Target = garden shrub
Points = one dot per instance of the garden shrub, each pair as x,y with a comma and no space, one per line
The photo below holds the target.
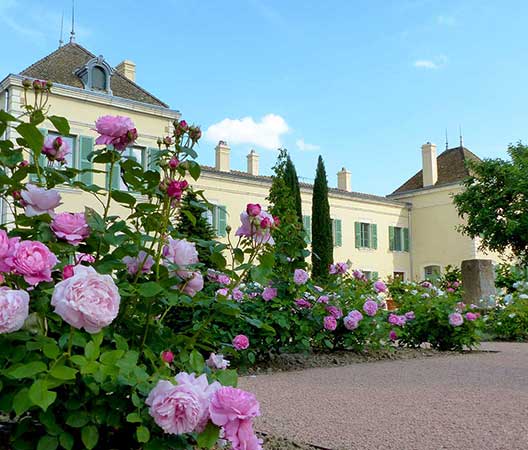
509,320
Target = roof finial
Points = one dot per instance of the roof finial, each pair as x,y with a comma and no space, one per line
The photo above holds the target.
447,143
61,30
72,33
460,133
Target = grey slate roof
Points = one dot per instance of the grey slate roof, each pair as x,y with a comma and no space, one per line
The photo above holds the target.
60,65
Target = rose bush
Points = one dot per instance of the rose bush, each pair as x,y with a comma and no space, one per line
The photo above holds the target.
105,320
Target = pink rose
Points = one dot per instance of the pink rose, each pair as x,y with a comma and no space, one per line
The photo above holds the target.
330,323
338,269
370,307
397,320
193,283
143,260
392,335
56,148
266,222
39,201
234,409
323,299
87,300
71,227
33,260
269,293
251,227
409,315
356,315
118,131
217,362
7,248
175,189
237,295
350,323
241,342
471,316
14,309
456,319
224,292
253,209
167,356
334,311
68,272
303,304
180,252
380,286
84,257
300,276
174,162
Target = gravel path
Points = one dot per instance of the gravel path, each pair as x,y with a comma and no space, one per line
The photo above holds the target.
471,402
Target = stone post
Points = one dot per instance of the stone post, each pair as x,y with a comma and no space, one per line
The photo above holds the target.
478,281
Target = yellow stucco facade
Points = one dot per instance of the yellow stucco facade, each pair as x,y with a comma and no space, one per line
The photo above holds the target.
424,221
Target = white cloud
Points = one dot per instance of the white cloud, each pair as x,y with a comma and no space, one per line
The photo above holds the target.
448,21
430,64
303,146
266,133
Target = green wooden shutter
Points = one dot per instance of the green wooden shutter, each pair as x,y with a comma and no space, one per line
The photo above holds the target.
307,226
338,233
375,276
86,144
373,236
405,239
221,216
391,239
116,176
357,228
41,160
153,159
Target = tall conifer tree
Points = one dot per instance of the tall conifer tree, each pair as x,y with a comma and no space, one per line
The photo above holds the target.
322,240
292,181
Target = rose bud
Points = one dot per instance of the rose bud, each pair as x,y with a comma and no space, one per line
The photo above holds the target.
174,162
253,209
167,356
67,272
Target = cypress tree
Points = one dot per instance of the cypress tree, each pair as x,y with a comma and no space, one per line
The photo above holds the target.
292,181
322,240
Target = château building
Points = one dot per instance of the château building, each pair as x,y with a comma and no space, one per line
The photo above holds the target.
411,233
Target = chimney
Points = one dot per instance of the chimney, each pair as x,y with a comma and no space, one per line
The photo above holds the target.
344,182
222,156
253,163
127,68
429,166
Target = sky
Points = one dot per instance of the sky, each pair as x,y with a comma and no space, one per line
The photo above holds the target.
364,83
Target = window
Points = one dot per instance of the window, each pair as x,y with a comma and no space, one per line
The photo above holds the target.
366,235
217,218
398,239
370,275
432,273
336,233
398,275
95,75
98,78
307,228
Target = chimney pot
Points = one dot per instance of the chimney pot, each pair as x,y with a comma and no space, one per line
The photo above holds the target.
222,156
344,181
253,163
127,68
429,164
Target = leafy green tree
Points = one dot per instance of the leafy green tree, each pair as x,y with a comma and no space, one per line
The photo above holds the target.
290,244
292,181
494,203
193,225
322,240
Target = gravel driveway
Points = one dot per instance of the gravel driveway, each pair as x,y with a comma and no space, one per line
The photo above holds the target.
472,401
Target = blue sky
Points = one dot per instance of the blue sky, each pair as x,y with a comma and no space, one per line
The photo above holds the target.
364,83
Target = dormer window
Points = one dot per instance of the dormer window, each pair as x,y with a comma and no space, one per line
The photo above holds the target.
95,75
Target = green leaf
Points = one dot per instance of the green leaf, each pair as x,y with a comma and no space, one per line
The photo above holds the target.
79,360
194,169
196,362
66,440
27,370
123,197
6,117
32,136
149,289
40,396
48,443
208,437
94,220
134,418
239,255
91,351
60,124
77,419
21,402
51,350
227,377
89,436
63,373
111,357
143,434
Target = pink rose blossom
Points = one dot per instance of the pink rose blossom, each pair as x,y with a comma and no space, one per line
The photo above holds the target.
217,362
330,323
167,356
37,201
7,248
456,319
253,209
193,283
350,323
358,275
71,227
118,131
234,409
335,311
456,284
143,260
237,294
174,162
251,227
450,290
370,307
84,257
87,299
14,309
300,276
56,148
33,260
427,284
180,252
399,321
409,315
323,299
269,293
356,315
241,342
175,189
224,292
392,335
67,272
380,286
303,304
338,268
471,316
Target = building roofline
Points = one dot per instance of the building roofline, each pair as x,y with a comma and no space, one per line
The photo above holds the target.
425,190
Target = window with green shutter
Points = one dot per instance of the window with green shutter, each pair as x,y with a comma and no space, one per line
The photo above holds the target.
366,235
373,236
398,239
220,223
374,276
391,238
337,232
86,144
307,227
153,158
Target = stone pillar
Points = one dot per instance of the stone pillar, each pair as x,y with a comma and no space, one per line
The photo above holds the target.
253,163
222,156
478,281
